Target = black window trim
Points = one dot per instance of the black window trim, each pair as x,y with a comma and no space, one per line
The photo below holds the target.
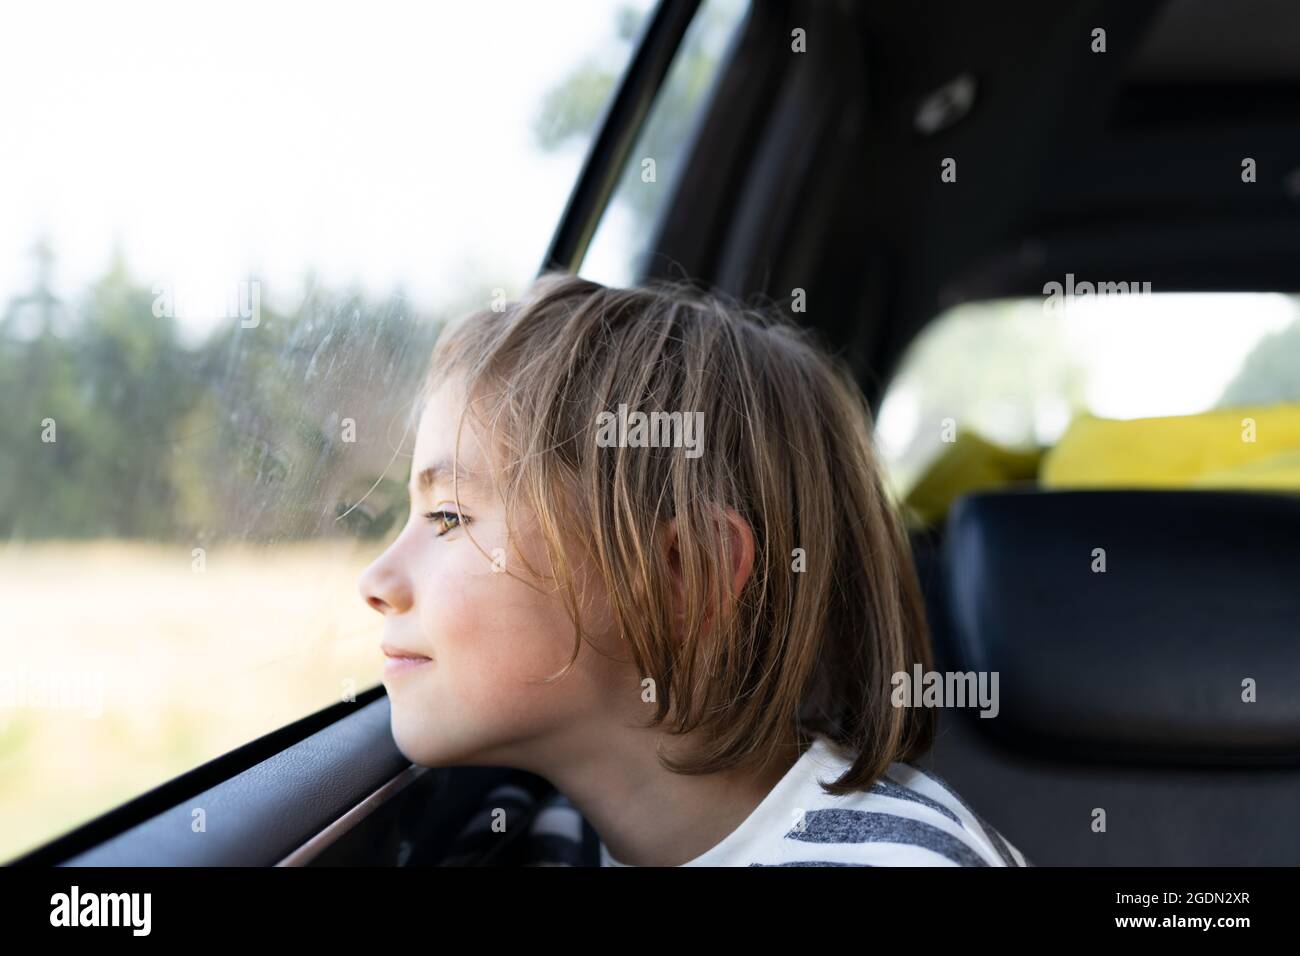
149,805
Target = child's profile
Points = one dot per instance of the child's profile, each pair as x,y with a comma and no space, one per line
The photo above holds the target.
650,557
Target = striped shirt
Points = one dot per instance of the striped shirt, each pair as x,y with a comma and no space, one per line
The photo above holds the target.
909,817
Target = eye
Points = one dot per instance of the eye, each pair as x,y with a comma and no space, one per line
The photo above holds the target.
445,521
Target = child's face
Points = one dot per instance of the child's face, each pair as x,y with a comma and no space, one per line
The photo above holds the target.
486,635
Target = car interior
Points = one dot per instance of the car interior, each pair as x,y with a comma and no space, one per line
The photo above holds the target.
822,172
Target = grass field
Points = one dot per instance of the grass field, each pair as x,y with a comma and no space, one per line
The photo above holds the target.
164,666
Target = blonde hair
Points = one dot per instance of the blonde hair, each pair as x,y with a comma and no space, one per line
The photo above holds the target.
786,445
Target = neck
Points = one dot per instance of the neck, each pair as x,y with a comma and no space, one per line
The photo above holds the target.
647,815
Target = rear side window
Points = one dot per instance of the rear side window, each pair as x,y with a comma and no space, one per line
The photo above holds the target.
226,252
1017,372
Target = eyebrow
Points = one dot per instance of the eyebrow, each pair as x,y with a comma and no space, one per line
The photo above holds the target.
441,472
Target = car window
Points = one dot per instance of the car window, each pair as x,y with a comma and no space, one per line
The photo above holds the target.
618,250
1018,371
226,253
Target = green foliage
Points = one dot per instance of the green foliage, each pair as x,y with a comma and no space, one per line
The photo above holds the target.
264,433
571,110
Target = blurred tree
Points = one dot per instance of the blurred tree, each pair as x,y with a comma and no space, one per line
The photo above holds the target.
293,428
571,110
111,381
1270,373
37,383
138,383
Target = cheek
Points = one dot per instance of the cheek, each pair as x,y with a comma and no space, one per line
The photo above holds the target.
494,639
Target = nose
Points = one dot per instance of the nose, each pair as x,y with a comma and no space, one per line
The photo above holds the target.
384,587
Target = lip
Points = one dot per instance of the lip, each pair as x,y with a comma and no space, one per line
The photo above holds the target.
398,659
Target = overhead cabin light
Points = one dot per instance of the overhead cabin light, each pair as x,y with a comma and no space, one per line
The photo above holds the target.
946,106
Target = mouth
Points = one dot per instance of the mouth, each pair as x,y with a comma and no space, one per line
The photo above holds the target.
398,660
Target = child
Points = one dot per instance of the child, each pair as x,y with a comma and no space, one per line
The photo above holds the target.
650,559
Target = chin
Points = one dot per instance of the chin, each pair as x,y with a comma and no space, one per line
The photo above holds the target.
415,743
426,747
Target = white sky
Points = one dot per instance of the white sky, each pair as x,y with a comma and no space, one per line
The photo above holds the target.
1168,354
382,141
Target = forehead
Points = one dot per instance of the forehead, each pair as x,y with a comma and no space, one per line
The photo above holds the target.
436,443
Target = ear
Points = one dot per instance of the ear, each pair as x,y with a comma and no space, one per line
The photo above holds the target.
742,558
742,552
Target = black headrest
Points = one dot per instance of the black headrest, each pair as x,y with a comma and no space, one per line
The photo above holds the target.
1151,659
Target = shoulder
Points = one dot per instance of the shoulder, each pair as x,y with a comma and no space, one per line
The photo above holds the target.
909,817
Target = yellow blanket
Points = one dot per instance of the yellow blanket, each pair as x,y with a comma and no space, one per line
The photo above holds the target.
1249,447
1256,446
970,463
